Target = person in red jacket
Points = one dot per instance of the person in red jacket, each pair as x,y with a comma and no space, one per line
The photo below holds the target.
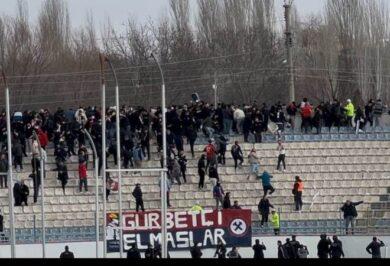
306,112
83,176
43,138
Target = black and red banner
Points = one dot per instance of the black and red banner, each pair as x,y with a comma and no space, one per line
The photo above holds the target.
232,227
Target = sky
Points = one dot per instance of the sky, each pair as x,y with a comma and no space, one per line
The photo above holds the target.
118,11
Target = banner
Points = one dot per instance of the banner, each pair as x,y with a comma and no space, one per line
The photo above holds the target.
232,227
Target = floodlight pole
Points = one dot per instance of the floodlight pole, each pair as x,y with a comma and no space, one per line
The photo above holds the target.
163,185
41,173
10,179
118,155
96,174
103,114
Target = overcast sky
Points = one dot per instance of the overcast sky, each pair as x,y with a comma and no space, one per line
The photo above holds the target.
118,11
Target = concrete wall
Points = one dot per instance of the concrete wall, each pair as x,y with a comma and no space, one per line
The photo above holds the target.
354,247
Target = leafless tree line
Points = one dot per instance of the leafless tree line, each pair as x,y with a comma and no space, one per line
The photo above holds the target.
342,53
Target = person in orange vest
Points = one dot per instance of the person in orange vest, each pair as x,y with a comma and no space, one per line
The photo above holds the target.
297,192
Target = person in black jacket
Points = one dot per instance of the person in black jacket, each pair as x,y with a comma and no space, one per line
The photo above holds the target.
17,194
24,192
201,170
226,201
323,247
350,214
237,154
196,253
137,194
264,207
289,249
221,250
258,250
336,249
295,245
67,254
149,252
62,174
3,169
374,248
282,254
183,165
133,252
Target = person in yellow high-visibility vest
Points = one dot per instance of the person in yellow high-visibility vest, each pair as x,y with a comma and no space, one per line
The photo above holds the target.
349,112
275,222
196,207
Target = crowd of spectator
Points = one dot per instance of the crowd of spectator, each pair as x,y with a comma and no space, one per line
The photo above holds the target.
138,126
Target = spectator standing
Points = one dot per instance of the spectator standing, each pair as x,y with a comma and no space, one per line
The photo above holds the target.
323,247
133,252
266,181
196,253
291,112
275,222
295,246
201,171
67,254
237,155
239,117
374,248
183,165
303,252
226,201
236,206
218,194
233,254
137,156
369,112
221,142
137,194
62,170
350,214
221,250
289,249
83,178
211,153
264,208
297,192
17,153
282,254
3,170
17,193
254,163
306,113
258,250
282,156
25,191
336,249
378,111
349,112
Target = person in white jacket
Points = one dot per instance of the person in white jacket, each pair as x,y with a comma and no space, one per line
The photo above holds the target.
239,116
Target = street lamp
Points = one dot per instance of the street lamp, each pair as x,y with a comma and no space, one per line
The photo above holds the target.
215,88
10,179
163,185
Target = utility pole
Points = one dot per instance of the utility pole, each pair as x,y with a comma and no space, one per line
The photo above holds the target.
215,88
289,45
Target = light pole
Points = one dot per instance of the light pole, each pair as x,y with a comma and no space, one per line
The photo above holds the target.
289,45
163,185
118,154
41,173
103,114
96,174
10,179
